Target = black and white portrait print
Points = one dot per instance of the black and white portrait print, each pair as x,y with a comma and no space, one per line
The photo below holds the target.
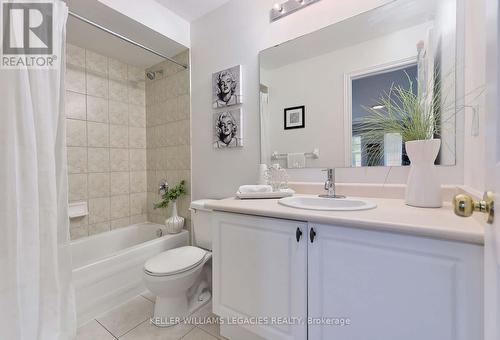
226,87
228,132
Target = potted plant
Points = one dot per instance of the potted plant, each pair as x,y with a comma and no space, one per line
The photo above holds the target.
417,118
174,223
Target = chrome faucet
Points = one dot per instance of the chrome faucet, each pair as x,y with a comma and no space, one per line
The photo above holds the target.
330,185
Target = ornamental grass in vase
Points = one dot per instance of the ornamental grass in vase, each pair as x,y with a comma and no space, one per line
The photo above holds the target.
417,118
174,223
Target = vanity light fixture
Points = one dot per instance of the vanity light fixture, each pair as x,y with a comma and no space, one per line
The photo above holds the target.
281,10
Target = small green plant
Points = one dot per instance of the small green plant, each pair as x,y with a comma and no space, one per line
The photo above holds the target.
171,195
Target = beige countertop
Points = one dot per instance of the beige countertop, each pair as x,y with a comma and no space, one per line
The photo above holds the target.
391,215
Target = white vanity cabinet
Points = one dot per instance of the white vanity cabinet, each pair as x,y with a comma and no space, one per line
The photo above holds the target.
260,270
387,286
393,286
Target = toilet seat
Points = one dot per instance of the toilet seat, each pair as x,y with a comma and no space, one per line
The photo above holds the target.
174,261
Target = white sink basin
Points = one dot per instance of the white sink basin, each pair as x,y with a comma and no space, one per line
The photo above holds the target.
326,204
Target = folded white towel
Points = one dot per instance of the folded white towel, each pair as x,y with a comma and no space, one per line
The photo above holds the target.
255,188
296,160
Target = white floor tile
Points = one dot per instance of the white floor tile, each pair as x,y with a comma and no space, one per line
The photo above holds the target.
150,296
125,317
198,334
203,315
147,331
93,331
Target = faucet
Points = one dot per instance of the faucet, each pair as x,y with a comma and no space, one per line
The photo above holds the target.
330,185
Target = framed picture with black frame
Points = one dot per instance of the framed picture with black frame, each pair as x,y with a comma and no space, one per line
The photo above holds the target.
295,117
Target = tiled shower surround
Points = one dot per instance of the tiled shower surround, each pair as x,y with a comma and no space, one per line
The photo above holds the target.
109,155
106,139
168,134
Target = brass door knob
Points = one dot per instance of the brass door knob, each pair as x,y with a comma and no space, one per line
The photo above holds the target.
464,205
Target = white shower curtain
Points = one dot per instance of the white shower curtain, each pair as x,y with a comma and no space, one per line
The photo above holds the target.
36,298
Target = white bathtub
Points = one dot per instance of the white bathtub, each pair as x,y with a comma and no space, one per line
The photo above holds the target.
107,268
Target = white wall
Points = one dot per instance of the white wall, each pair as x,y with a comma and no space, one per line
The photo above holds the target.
475,79
318,83
234,34
155,16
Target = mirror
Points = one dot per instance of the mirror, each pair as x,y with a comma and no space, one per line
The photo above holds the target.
317,90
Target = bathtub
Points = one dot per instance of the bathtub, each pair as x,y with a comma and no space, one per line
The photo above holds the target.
107,268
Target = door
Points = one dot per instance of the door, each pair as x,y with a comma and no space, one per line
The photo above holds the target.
492,175
367,284
259,270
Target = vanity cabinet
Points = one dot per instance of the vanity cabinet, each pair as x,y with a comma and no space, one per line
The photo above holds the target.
393,286
344,283
260,270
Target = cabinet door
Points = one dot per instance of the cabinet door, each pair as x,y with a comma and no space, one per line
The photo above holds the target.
393,287
259,270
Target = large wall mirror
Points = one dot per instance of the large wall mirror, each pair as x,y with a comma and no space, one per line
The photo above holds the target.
316,89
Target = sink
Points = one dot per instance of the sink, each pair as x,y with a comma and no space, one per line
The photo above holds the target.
326,204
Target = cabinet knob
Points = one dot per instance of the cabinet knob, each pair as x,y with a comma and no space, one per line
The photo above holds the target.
312,235
298,234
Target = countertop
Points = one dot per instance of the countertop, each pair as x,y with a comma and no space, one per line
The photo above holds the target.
391,215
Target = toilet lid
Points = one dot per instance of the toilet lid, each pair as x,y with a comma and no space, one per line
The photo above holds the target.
174,261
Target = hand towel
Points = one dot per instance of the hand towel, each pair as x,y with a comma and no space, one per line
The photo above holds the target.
255,188
296,160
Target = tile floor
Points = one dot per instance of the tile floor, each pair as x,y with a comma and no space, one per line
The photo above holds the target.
130,321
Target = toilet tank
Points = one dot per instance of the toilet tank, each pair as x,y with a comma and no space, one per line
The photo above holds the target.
201,224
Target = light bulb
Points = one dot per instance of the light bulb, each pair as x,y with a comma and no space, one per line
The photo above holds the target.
278,7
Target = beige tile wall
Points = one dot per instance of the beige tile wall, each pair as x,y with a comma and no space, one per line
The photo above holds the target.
168,135
106,139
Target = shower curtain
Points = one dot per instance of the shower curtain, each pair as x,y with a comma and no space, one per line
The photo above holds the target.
36,298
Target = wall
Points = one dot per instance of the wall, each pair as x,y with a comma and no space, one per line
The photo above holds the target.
318,83
155,16
106,139
168,135
234,34
475,79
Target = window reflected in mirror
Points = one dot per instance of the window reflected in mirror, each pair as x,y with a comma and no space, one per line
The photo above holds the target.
366,93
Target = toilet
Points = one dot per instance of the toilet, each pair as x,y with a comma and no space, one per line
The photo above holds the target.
180,278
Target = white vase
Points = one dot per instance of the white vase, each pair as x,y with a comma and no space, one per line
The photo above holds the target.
423,188
174,223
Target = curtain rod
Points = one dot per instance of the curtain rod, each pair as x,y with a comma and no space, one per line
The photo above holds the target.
119,36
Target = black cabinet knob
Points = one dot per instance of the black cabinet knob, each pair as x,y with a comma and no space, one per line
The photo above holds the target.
298,234
312,235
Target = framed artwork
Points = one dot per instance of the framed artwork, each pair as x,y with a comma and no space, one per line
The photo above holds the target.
226,87
295,117
228,129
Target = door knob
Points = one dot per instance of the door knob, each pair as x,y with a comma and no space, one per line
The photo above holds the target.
464,205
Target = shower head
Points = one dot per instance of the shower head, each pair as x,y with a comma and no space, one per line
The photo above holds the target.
152,74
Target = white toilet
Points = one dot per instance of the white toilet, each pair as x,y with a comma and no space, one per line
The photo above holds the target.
181,277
